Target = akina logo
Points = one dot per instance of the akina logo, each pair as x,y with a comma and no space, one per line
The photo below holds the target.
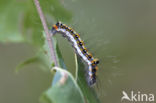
137,96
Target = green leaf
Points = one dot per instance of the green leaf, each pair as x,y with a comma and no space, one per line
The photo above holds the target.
32,23
42,57
88,92
69,91
65,90
53,8
10,21
58,53
59,60
27,62
22,23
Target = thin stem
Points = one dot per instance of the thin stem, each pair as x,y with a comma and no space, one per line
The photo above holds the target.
48,38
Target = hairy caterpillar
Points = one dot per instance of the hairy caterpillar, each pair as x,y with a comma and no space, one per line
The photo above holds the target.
80,49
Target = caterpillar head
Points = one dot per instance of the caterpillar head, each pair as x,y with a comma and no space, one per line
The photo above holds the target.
56,27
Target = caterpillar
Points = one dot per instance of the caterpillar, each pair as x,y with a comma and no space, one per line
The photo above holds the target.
80,49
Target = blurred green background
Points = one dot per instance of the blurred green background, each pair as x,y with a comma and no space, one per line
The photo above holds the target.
121,33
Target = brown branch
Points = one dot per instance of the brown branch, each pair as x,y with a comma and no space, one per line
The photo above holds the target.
48,38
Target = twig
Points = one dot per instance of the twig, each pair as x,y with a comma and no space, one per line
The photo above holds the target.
48,38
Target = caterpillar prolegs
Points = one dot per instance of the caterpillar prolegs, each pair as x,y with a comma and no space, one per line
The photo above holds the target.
80,49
